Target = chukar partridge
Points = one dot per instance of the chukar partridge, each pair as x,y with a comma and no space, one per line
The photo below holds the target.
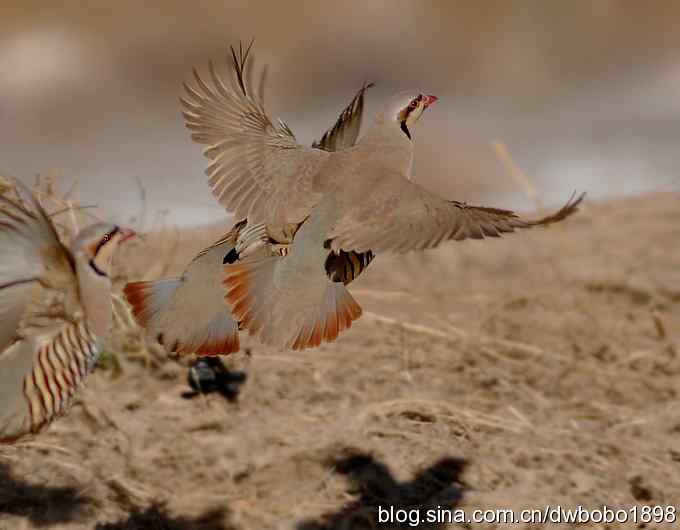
188,314
334,204
55,307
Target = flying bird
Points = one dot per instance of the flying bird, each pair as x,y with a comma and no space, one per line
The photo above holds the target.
188,314
328,211
55,308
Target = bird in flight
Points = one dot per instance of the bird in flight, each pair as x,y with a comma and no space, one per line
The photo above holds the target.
55,309
321,214
188,314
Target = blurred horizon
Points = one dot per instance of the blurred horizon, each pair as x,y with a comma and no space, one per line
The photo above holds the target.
583,95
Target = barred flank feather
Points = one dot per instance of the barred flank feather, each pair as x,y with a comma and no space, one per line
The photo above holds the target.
58,372
347,266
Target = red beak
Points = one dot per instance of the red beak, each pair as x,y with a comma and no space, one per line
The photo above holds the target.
126,234
428,100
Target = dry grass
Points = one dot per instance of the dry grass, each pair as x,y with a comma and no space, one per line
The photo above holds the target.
548,362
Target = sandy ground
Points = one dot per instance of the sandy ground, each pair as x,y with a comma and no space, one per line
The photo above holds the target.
540,369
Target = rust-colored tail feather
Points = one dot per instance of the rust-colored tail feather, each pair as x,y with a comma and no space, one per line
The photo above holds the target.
255,303
154,309
137,295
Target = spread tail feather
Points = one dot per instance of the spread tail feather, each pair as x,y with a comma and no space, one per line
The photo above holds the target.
148,298
168,318
337,313
286,318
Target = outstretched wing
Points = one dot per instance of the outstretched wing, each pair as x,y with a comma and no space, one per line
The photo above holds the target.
28,241
257,169
400,216
345,131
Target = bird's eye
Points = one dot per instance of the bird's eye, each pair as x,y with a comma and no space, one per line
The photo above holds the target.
106,238
413,104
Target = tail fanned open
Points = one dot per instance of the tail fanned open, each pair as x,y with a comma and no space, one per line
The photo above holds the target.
180,319
294,317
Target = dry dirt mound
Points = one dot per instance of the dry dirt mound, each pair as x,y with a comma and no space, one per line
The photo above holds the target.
540,369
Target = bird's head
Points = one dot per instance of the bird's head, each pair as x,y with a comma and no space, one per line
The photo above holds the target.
97,244
405,109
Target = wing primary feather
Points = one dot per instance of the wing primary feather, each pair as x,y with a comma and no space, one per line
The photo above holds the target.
240,63
345,130
217,81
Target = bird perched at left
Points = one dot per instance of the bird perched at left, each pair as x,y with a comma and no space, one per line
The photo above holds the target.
55,309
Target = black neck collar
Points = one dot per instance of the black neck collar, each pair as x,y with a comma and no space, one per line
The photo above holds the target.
97,269
405,129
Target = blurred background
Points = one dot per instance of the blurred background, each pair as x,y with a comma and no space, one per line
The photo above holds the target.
585,95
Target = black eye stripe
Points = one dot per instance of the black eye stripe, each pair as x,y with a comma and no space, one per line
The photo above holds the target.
407,112
412,106
105,240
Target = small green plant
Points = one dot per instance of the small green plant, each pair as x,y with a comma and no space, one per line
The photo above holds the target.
109,362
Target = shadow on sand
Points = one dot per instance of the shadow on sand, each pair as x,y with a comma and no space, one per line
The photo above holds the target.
42,505
156,517
438,485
